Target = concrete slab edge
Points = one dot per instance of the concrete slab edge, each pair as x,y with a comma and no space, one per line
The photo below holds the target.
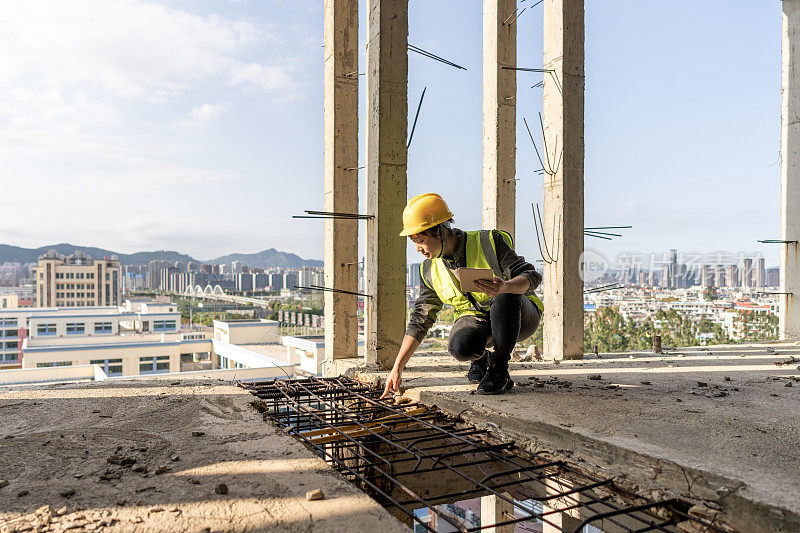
712,496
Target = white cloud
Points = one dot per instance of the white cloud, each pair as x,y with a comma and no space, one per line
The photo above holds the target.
262,76
73,72
126,49
101,105
207,112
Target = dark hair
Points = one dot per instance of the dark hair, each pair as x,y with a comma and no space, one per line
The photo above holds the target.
434,231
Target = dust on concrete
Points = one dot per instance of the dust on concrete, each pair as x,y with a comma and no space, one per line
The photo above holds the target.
161,456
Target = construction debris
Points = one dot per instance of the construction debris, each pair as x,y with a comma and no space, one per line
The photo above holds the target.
315,494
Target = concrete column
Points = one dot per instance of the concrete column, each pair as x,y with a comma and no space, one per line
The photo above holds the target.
494,510
341,177
789,323
499,114
386,187
558,522
563,187
569,520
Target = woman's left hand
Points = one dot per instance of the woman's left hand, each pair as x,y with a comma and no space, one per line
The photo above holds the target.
492,287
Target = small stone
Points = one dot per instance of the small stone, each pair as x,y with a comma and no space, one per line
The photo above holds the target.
646,382
774,395
78,476
174,458
678,400
122,503
22,493
161,470
222,488
137,520
67,493
175,383
198,433
194,481
139,468
3,483
727,378
61,511
315,494
720,394
156,510
594,377
788,384
702,384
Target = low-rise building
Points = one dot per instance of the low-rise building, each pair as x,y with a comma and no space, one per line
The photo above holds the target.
141,337
122,339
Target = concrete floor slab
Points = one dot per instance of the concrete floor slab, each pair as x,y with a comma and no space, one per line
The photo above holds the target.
718,426
127,456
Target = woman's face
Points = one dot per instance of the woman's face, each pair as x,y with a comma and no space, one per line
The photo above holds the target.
427,245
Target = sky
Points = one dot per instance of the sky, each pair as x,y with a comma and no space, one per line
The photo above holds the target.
196,126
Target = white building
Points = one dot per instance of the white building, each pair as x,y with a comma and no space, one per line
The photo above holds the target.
139,338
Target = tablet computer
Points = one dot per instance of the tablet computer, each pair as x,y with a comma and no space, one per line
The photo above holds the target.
467,276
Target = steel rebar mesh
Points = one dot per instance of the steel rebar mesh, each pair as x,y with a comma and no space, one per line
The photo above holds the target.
391,450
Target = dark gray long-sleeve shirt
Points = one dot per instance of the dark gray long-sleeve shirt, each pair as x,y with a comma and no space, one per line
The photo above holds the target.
428,305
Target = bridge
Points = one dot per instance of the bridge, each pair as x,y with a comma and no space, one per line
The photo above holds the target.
216,292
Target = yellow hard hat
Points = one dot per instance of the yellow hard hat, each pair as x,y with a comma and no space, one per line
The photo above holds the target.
424,211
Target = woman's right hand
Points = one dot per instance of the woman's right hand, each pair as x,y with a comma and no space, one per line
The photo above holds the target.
392,382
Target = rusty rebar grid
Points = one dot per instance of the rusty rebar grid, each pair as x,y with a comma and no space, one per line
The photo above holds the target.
380,444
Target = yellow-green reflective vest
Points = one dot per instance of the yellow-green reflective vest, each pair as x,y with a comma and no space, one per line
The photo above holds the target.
480,253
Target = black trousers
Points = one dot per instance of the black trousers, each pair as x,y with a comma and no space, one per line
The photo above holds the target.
511,319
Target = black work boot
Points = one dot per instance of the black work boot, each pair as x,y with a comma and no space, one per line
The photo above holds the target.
478,368
497,379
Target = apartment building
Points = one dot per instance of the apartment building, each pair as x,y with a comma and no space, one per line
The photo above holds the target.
76,281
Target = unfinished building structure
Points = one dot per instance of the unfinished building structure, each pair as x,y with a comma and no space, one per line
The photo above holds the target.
696,440
386,158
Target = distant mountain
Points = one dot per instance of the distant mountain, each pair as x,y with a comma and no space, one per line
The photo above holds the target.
268,258
17,254
265,259
142,258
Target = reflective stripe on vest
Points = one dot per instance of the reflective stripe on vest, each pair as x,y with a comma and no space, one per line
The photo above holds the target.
480,253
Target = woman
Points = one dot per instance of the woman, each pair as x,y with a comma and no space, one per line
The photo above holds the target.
504,313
